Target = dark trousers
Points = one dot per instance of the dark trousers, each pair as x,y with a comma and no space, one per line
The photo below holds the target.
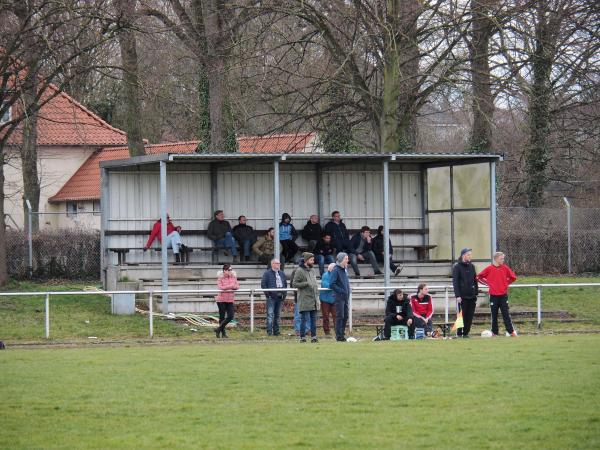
265,259
341,317
379,258
369,257
226,313
288,250
467,306
327,309
500,302
392,320
427,325
308,316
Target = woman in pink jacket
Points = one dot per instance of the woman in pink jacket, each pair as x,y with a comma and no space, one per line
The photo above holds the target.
227,283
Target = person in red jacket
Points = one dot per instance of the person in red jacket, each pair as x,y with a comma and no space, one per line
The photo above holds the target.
173,238
498,276
422,307
227,282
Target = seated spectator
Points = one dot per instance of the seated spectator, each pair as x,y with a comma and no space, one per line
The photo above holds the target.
398,312
264,247
173,239
324,252
312,232
378,249
338,232
327,300
219,231
422,307
361,247
287,238
245,236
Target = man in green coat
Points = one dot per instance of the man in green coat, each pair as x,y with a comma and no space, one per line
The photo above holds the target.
308,295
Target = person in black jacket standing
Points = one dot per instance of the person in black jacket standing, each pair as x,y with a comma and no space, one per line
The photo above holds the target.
464,280
398,312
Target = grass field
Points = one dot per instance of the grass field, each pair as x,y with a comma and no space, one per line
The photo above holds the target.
531,392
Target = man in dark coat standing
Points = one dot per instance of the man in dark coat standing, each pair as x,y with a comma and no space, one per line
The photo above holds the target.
464,279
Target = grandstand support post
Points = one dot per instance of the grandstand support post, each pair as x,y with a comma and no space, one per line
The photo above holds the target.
29,241
569,242
386,226
276,248
151,314
163,237
252,311
47,315
446,304
350,311
539,306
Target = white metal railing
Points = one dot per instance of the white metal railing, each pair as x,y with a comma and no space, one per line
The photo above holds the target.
253,291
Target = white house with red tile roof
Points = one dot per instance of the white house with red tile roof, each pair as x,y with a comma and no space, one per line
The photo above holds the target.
82,191
72,141
68,134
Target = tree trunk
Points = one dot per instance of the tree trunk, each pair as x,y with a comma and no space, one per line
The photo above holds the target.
29,159
129,62
482,103
3,256
222,133
400,77
537,152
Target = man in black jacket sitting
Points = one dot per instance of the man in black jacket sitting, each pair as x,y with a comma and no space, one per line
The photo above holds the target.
312,232
245,236
464,280
398,312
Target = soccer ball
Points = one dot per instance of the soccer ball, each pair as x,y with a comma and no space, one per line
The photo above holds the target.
351,339
486,334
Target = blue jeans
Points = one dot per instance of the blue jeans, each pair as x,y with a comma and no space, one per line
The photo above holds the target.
297,320
273,315
228,243
322,260
247,246
305,317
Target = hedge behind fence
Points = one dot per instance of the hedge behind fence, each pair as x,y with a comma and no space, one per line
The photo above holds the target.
68,253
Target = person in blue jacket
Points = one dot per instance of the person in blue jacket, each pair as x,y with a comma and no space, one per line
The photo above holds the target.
287,238
327,300
340,285
274,278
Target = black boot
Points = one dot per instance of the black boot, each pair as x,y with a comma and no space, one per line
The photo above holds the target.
217,331
177,258
224,334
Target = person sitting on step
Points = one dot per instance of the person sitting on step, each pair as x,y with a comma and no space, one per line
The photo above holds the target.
398,312
219,231
173,240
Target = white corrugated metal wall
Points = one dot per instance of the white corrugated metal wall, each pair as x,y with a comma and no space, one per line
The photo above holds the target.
354,190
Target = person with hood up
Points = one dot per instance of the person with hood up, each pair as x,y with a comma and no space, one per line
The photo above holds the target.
287,238
307,295
464,280
227,282
398,312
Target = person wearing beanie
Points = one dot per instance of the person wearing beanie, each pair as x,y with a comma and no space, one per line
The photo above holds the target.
307,295
340,285
464,280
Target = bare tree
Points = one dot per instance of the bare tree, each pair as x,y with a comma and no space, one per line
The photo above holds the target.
126,12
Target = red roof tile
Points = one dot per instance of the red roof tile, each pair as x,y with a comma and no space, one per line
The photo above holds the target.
64,121
85,183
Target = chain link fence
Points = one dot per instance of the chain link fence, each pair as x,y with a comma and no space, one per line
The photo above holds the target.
66,253
536,240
